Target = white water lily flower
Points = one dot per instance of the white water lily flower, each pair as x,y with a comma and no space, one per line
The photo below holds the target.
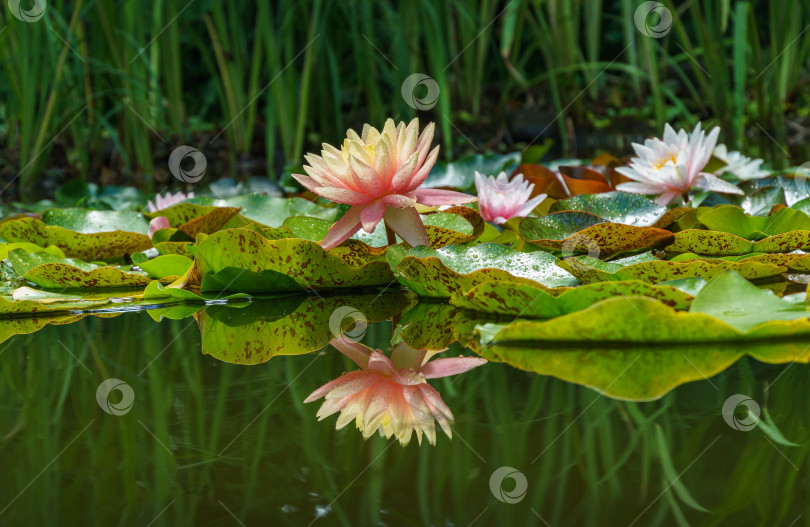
743,167
672,166
501,199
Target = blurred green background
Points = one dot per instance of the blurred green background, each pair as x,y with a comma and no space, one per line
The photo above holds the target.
104,91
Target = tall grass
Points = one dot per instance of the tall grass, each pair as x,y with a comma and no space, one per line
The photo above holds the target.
92,84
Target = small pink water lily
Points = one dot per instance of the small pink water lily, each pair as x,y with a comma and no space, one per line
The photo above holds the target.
160,222
671,166
379,174
391,395
165,201
501,199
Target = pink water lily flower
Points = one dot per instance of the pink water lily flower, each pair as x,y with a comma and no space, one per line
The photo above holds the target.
160,222
391,395
379,174
500,199
671,166
165,201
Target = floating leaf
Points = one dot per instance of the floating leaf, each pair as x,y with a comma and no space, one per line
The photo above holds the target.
268,210
733,220
166,265
5,248
460,173
287,325
530,301
242,260
622,207
584,232
714,243
88,221
49,271
652,270
93,246
441,272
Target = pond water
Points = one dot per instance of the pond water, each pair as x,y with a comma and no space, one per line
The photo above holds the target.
197,432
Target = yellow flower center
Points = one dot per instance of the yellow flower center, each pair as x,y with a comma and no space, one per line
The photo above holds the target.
663,161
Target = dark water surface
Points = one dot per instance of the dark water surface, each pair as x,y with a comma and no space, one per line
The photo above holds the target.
210,442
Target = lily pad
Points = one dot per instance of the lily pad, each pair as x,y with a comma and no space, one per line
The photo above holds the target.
88,221
574,232
192,219
242,260
166,265
290,325
530,301
87,246
441,272
53,272
639,373
733,220
268,210
622,207
652,270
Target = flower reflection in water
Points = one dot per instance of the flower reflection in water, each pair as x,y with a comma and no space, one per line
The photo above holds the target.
391,394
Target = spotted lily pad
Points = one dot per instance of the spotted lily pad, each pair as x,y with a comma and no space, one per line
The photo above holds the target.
714,243
530,301
650,269
441,272
5,248
53,272
87,246
639,372
191,219
268,210
88,221
578,232
727,309
242,260
290,325
622,207
733,220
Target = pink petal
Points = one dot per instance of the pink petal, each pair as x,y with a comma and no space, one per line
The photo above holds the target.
408,224
161,222
451,366
372,214
354,350
433,197
343,195
307,181
342,229
398,200
423,171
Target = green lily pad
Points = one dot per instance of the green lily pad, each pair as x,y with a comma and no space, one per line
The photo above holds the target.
166,265
268,210
290,325
242,260
639,373
53,272
622,207
441,272
653,270
191,219
5,248
87,246
574,232
733,220
714,243
187,249
530,301
88,221
460,174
